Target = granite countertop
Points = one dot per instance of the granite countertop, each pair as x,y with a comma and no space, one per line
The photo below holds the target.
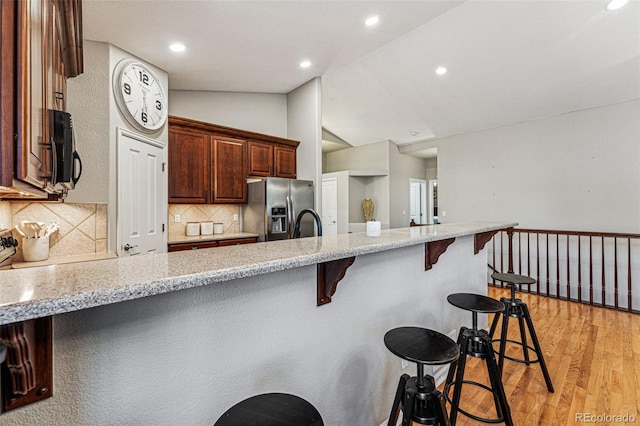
48,290
177,239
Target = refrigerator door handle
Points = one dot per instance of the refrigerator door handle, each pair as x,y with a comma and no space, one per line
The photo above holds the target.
289,225
293,217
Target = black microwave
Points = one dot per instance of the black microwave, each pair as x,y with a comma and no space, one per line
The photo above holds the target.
66,164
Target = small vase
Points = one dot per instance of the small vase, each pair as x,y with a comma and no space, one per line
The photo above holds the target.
367,208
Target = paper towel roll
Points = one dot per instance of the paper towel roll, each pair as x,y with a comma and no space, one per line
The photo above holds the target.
373,228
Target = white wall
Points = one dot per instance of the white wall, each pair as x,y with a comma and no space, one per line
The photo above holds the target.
304,123
184,358
96,126
257,112
578,171
374,156
402,168
91,123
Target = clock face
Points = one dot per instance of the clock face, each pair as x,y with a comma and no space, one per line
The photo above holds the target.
140,96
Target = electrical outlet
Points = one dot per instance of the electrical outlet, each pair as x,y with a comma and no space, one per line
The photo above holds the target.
444,213
235,217
176,218
403,364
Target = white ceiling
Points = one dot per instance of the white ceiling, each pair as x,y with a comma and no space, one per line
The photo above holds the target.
508,61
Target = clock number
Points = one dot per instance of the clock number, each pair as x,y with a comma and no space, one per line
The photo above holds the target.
127,88
143,117
159,105
144,78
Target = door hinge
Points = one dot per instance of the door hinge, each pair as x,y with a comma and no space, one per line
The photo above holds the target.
163,227
163,164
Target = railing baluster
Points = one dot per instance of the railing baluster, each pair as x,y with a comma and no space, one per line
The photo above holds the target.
579,270
604,294
590,271
557,266
615,272
538,260
568,271
547,263
629,273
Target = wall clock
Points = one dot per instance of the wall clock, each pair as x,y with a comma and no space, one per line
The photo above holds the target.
140,96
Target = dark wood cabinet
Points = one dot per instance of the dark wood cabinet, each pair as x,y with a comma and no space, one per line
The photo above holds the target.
271,160
210,163
209,244
205,168
229,169
260,156
285,161
189,167
47,38
238,241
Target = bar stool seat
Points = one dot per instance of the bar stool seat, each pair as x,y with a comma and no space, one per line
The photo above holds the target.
417,397
271,409
477,343
516,308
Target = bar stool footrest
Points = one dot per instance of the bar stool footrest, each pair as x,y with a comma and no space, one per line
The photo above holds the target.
521,361
445,393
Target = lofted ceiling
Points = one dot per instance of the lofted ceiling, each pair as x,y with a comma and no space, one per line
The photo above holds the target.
507,61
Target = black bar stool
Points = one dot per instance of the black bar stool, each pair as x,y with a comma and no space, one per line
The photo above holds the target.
476,343
271,409
418,397
516,308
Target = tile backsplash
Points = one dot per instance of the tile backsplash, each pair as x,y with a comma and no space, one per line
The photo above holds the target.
82,227
218,213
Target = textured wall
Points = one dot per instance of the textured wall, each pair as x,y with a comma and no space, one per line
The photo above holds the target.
258,112
184,358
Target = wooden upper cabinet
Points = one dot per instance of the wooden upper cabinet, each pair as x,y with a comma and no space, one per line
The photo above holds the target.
260,158
271,160
229,170
189,167
285,161
209,163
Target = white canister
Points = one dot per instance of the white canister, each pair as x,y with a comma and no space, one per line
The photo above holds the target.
193,229
373,228
206,228
34,249
217,228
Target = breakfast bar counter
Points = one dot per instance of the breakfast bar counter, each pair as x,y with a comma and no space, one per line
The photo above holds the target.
55,289
178,338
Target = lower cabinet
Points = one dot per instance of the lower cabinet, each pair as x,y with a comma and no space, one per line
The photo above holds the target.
209,244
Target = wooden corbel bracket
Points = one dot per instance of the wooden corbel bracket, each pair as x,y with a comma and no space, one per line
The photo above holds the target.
433,250
479,240
29,362
329,275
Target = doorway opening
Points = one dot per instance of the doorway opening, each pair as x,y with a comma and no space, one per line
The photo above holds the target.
418,201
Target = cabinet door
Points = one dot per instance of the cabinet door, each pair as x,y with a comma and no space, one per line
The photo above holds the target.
285,161
189,177
260,159
229,169
34,19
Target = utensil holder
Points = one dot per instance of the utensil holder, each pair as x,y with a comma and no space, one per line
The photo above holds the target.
35,249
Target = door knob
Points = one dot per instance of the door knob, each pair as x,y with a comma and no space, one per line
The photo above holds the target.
128,247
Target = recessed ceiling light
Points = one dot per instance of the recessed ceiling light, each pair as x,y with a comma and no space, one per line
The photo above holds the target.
615,4
177,47
441,70
372,20
305,64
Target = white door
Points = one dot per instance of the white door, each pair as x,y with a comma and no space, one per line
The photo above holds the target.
142,195
329,206
414,203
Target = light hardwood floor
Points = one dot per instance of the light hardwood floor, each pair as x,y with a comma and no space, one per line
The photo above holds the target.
593,356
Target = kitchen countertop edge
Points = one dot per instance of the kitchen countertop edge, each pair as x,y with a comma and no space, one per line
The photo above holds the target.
123,279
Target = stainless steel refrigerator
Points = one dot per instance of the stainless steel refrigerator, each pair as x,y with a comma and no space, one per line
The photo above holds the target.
273,205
